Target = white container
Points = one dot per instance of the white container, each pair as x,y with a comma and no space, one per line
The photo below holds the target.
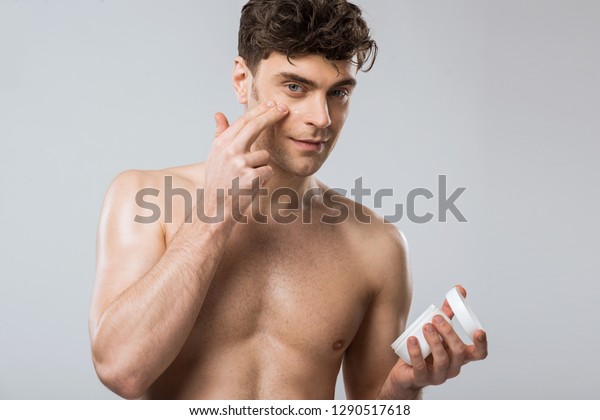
462,313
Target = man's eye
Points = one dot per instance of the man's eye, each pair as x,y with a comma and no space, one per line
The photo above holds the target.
294,88
339,93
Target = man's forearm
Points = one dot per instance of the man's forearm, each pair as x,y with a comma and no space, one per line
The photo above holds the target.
141,332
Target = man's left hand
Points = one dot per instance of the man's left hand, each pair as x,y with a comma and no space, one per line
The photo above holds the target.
445,361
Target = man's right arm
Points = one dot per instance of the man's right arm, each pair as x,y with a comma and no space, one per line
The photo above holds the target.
147,296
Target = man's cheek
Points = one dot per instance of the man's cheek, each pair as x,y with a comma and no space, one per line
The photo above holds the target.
276,132
252,103
285,126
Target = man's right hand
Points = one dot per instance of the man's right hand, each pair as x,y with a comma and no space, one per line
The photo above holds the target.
231,158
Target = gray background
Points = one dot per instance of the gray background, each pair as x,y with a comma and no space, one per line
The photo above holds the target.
501,96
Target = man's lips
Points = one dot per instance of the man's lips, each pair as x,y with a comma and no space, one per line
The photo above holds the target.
309,144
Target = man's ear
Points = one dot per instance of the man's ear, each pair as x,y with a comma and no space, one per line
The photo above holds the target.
242,80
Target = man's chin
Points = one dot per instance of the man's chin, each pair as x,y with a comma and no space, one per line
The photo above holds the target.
301,169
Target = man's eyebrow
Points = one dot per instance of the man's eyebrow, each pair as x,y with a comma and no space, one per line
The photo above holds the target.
349,81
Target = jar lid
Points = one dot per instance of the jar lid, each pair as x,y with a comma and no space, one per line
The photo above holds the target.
465,315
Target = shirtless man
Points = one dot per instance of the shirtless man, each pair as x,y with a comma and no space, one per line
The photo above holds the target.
264,309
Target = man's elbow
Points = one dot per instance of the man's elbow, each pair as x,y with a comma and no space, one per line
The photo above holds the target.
120,380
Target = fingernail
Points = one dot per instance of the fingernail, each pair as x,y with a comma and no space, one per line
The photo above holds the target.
270,104
413,341
481,338
282,107
429,328
438,319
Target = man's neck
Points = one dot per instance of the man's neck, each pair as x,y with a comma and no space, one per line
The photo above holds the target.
285,193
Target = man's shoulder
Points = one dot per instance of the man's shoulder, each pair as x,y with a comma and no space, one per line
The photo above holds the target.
134,192
186,176
380,240
130,182
384,251
381,245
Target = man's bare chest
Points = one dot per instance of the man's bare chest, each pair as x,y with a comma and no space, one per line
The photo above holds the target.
302,290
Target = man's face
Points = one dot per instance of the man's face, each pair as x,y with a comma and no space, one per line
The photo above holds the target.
317,95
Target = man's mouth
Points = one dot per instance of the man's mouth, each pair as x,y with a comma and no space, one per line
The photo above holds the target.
314,145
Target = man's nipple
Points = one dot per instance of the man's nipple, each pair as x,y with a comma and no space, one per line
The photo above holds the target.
337,345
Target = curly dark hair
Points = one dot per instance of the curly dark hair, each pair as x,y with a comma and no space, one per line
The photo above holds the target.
333,29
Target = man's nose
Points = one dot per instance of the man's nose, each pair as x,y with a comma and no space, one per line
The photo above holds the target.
318,112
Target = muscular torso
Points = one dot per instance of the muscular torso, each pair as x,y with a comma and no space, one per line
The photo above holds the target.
285,303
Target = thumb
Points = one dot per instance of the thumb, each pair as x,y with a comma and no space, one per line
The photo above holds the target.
222,123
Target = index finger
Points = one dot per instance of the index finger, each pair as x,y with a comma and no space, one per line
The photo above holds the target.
234,129
250,132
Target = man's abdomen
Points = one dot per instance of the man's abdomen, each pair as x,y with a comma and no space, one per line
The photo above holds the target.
261,367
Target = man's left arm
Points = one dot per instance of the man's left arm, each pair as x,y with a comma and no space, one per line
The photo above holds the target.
371,368
369,358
